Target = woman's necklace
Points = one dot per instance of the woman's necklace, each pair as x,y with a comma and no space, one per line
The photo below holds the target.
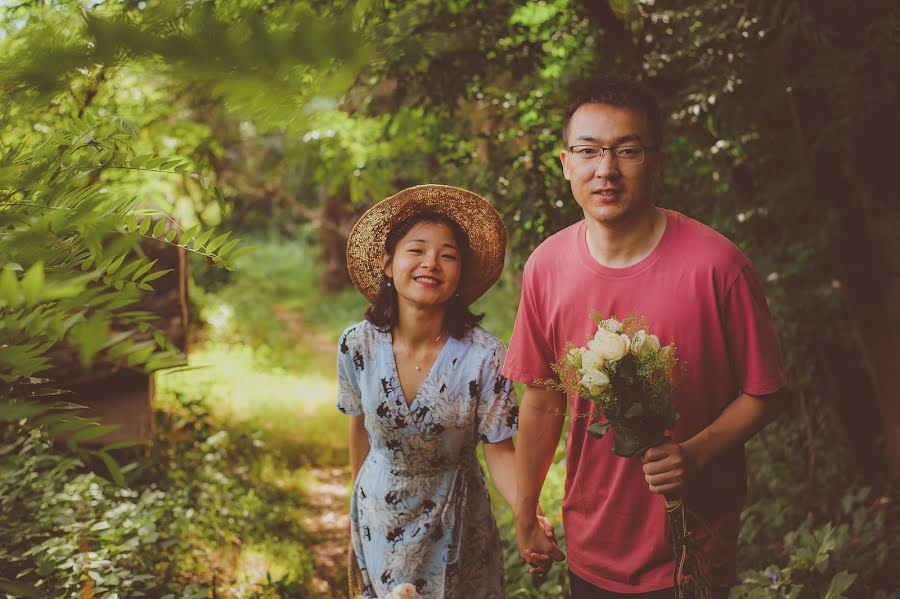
433,343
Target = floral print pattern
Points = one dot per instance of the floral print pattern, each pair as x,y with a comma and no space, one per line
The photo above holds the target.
420,511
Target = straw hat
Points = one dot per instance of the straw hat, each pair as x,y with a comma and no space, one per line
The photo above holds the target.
480,221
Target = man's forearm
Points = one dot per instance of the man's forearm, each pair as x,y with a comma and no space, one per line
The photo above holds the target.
742,419
541,417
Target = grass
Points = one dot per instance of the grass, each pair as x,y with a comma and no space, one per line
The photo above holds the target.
293,411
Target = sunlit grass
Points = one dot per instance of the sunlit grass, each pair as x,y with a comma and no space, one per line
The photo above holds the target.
294,411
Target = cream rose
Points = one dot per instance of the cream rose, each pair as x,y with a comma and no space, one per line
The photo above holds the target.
596,381
612,325
642,344
590,360
404,591
609,346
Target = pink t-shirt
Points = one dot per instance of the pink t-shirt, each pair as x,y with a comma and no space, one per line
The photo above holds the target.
697,290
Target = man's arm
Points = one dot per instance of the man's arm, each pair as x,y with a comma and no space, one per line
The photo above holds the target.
541,417
668,466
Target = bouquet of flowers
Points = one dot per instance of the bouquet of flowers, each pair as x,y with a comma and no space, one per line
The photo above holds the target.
627,377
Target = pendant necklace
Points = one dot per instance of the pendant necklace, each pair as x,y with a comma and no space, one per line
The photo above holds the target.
436,339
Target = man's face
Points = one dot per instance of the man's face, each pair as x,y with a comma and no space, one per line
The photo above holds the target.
610,189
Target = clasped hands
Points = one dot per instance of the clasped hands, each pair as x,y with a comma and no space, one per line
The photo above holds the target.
665,467
537,545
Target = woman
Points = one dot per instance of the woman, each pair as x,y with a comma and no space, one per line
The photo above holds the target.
422,384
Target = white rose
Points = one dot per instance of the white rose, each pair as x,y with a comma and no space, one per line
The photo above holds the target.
609,345
404,591
611,325
595,381
590,360
642,344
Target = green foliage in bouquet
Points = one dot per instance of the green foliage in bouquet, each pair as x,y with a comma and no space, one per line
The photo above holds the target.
627,376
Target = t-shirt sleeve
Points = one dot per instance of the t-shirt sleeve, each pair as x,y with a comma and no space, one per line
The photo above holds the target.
349,400
497,411
753,347
530,349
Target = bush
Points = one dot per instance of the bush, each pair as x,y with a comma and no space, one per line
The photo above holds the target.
178,531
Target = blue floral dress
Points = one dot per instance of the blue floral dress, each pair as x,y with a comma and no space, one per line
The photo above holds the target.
420,510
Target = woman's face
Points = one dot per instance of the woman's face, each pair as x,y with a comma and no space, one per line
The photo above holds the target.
426,265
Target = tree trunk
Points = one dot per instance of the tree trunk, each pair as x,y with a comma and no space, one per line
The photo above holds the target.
873,298
333,244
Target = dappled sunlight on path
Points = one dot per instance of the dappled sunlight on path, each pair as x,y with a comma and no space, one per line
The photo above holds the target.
329,526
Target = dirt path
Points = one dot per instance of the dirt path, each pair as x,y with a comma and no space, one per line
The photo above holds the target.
329,525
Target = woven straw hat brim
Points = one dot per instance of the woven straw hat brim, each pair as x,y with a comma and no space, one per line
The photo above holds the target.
481,222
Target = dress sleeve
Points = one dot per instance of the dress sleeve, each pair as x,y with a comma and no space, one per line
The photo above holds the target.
497,412
349,400
753,346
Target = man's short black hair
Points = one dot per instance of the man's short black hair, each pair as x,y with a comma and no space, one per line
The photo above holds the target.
616,91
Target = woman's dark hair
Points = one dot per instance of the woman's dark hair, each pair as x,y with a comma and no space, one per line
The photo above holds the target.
384,311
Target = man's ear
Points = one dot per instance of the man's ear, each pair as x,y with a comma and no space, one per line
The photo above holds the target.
563,159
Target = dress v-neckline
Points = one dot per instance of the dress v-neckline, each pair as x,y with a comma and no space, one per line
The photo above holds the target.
437,360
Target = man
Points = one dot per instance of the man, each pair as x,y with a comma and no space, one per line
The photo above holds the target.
694,288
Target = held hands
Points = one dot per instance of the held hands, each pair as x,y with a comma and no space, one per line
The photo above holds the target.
537,546
667,467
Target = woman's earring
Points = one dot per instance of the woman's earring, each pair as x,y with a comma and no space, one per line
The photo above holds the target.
389,284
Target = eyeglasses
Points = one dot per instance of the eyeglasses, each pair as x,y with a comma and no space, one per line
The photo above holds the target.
630,155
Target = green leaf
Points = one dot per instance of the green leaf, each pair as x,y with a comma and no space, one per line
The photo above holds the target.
634,411
626,445
188,234
9,288
72,423
131,223
33,283
125,444
10,412
140,272
139,161
154,163
114,471
139,357
228,247
839,584
220,199
170,236
116,264
241,251
183,168
132,266
144,226
91,432
159,227
203,238
155,275
215,243
126,126
598,429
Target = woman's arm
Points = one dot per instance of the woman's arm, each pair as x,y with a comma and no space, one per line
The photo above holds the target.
501,463
359,444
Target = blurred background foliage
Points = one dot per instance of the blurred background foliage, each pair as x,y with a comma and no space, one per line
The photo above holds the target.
280,122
